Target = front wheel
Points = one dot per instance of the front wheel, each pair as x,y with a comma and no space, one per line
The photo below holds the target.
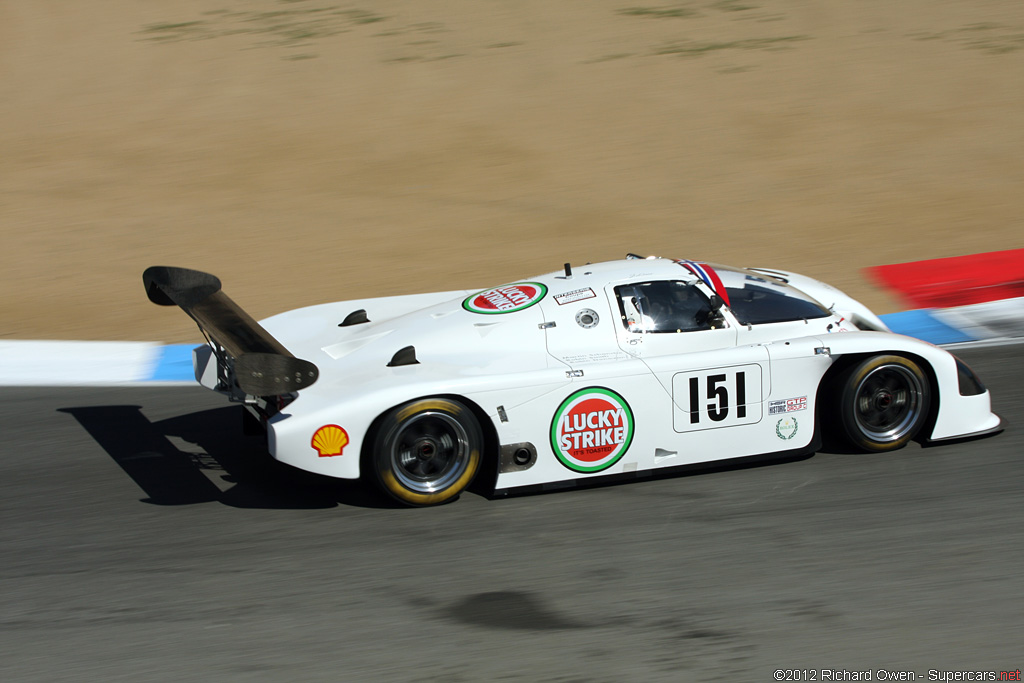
426,452
883,402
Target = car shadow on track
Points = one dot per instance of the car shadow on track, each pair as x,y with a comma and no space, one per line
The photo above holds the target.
203,457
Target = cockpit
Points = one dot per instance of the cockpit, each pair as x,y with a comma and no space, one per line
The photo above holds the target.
664,306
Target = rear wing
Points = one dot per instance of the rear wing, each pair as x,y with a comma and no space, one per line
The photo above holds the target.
247,355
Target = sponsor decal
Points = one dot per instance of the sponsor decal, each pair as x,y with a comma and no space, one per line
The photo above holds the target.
708,275
786,428
837,327
592,430
329,440
572,359
574,295
506,299
787,405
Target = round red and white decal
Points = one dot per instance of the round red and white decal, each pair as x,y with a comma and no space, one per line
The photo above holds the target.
592,429
506,299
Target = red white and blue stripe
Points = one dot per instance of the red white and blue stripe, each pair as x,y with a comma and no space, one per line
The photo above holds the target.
708,275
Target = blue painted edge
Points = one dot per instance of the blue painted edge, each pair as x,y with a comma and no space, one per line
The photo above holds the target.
174,364
920,323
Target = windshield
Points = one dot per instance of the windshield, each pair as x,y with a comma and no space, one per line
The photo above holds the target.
759,301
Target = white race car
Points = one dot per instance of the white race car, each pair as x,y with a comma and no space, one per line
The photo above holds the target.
610,369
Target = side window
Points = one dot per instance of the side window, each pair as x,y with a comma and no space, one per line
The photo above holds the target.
663,306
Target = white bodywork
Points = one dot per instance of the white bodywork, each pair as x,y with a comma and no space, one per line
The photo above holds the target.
520,367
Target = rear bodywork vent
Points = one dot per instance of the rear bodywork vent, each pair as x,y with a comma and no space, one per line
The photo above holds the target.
357,317
404,356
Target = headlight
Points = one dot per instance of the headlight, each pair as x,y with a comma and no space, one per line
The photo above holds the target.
969,383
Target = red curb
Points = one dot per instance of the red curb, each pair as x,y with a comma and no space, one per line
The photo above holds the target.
956,281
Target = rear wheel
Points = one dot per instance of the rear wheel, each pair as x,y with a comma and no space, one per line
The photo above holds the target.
427,452
883,402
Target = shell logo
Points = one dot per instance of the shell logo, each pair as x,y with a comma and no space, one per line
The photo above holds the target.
506,299
592,430
329,440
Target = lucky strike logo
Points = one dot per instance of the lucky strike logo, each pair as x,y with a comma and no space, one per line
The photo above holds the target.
506,299
591,430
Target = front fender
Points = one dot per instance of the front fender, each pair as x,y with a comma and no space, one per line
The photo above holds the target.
956,415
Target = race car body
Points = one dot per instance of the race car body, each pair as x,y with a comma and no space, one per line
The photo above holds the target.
618,368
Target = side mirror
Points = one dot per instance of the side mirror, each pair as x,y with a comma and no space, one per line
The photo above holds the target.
716,303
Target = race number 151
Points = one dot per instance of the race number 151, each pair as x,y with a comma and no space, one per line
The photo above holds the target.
717,398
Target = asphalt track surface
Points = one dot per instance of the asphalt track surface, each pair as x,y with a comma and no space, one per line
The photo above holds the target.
144,539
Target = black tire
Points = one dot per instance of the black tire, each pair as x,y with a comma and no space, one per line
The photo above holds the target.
427,452
883,402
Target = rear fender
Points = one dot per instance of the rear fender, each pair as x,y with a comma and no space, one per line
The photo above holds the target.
487,476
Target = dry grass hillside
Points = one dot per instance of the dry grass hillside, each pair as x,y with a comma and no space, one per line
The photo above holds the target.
315,150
